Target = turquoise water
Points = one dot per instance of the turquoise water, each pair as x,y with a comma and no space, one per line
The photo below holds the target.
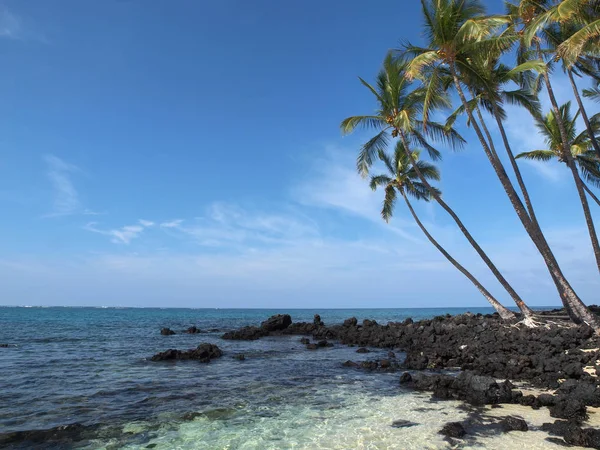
90,366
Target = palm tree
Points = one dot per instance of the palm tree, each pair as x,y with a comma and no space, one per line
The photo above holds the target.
402,178
531,30
399,114
455,30
558,26
581,146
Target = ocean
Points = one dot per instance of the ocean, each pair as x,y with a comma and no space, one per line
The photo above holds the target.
91,366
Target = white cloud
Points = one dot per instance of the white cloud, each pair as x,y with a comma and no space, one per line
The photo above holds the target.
123,235
66,197
172,223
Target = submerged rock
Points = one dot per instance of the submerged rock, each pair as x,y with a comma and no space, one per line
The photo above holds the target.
167,332
203,353
240,357
305,341
363,350
57,437
401,423
193,330
4,345
453,429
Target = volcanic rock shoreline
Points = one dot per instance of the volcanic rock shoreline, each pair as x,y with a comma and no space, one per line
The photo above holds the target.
556,355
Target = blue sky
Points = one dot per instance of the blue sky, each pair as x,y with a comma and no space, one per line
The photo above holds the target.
188,154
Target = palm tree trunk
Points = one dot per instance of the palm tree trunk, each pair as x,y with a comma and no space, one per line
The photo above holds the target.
590,193
515,166
584,115
573,304
571,164
505,284
504,312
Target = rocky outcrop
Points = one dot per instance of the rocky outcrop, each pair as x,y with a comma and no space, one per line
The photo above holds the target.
203,353
193,330
474,389
273,325
245,334
276,323
167,332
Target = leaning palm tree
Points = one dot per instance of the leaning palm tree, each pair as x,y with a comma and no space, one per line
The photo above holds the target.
399,114
456,29
557,27
581,146
402,178
532,37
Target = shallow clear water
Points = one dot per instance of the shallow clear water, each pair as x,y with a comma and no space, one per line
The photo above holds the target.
90,365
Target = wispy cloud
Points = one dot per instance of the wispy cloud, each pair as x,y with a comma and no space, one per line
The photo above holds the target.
66,198
334,184
232,226
172,223
123,235
16,28
10,25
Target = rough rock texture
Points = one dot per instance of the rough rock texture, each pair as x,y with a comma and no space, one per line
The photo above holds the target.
276,323
474,389
513,424
573,434
167,332
193,330
273,325
453,429
203,353
245,334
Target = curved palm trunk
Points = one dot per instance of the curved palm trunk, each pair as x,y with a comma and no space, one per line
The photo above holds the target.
590,193
515,166
517,299
571,164
584,115
504,312
573,304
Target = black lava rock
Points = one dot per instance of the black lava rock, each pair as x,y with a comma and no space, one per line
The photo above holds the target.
203,353
453,430
277,322
513,424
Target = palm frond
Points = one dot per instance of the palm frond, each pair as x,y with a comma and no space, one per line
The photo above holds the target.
387,161
389,202
537,155
593,93
419,62
527,100
379,180
368,151
350,124
571,49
